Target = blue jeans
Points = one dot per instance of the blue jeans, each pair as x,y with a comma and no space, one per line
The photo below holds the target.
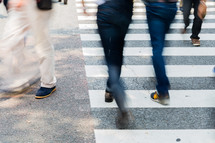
113,19
159,18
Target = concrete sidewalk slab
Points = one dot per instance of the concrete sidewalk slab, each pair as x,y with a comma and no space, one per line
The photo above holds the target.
65,115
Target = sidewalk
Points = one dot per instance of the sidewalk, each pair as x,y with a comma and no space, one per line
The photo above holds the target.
64,116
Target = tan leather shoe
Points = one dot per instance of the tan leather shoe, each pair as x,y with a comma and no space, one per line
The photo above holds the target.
195,42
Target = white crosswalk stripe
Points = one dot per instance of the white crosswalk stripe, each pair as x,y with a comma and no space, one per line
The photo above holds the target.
134,10
145,26
147,51
140,99
147,71
190,117
139,17
95,37
155,136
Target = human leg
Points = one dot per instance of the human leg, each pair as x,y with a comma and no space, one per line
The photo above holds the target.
197,22
187,5
19,66
112,36
159,20
44,49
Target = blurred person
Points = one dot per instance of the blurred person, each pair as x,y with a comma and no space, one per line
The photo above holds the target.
181,5
5,2
113,19
65,1
197,22
19,67
160,14
84,7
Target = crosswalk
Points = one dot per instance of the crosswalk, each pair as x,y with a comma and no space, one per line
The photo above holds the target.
190,117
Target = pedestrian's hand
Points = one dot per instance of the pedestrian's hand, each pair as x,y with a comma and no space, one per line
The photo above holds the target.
18,4
202,9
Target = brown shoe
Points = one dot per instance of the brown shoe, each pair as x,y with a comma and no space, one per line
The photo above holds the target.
108,96
183,31
195,42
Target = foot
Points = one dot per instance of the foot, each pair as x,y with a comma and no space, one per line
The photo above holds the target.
108,96
44,92
124,120
195,42
119,96
162,99
183,31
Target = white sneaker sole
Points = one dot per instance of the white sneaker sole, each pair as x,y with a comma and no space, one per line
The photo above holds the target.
163,101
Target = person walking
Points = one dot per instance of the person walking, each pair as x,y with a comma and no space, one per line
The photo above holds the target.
24,15
5,2
65,1
197,22
160,14
181,5
113,19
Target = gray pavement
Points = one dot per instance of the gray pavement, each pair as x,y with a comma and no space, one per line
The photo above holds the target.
64,116
149,116
68,116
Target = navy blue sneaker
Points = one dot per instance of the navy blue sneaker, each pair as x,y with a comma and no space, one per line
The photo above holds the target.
44,92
